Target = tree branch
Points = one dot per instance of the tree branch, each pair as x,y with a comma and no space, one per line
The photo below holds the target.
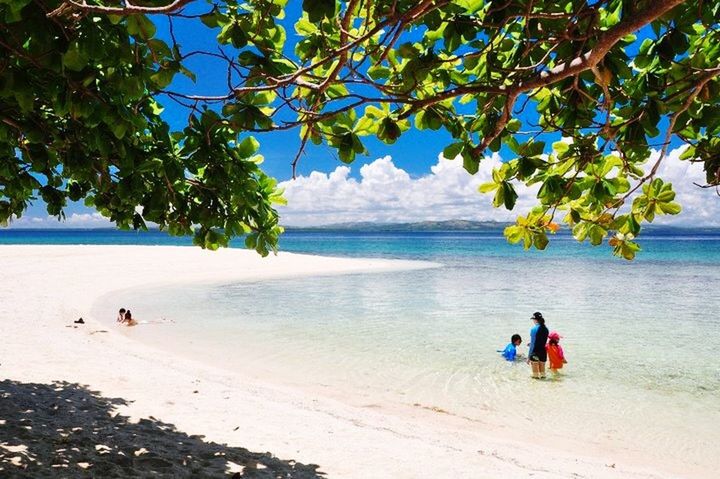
582,63
128,9
602,47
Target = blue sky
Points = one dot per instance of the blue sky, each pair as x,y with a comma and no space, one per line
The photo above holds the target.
415,151
279,148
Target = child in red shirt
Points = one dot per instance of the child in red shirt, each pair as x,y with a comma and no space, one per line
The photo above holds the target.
556,356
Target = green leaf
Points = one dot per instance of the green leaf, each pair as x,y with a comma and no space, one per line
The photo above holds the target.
432,119
378,72
580,231
688,153
471,164
74,59
317,10
453,150
140,25
505,195
514,234
210,20
532,148
156,107
670,208
388,131
509,195
248,147
596,234
633,227
162,78
365,126
347,155
357,144
540,240
374,112
305,28
119,129
624,247
560,147
513,125
471,6
234,34
488,187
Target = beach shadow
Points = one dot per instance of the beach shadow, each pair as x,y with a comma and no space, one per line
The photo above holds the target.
64,430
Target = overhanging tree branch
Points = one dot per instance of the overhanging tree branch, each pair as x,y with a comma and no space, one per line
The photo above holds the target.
128,8
354,69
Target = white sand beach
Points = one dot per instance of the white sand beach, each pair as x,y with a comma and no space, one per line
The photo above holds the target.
85,400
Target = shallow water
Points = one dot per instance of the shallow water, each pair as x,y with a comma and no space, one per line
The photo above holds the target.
641,338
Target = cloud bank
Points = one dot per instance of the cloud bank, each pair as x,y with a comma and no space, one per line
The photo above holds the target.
386,193
75,220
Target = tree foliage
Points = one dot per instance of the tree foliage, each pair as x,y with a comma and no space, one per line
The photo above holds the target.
587,96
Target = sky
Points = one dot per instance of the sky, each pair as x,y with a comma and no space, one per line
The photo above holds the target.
383,190
407,181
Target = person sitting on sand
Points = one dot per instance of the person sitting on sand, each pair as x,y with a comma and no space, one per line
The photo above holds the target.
555,352
538,338
129,321
121,315
510,351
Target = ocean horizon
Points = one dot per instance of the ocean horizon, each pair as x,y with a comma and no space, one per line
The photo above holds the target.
658,243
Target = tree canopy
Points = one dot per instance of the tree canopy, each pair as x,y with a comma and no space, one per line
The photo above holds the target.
587,96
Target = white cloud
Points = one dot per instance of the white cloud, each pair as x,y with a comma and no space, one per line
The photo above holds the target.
701,206
75,220
386,193
87,219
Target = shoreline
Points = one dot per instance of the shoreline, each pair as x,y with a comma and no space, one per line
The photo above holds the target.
47,287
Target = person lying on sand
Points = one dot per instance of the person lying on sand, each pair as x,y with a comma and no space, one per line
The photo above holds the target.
128,319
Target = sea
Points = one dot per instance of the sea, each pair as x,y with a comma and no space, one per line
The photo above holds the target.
642,337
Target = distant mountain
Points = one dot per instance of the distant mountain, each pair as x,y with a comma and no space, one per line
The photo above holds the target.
680,230
440,226
495,226
448,225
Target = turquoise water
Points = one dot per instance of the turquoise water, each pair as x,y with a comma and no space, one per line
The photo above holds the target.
667,245
641,337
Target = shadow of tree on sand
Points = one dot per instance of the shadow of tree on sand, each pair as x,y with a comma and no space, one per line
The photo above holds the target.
64,430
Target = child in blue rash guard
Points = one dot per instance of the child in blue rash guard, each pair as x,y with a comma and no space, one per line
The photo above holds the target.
510,351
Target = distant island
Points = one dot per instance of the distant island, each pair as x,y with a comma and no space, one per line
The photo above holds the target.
476,226
447,225
455,225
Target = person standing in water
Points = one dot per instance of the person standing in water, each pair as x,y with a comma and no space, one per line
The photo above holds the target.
556,355
538,338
